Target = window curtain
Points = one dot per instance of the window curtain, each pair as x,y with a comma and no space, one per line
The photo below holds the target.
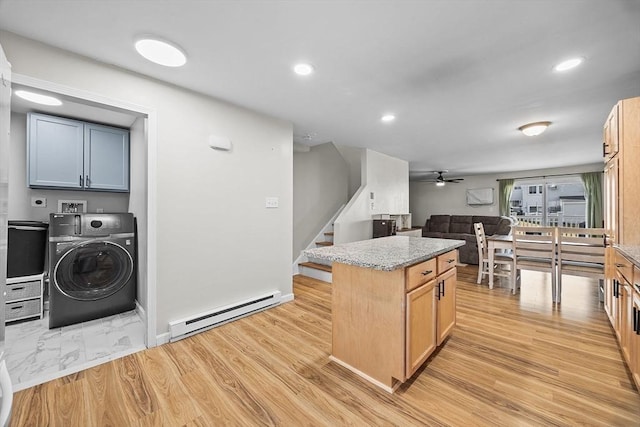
504,194
593,190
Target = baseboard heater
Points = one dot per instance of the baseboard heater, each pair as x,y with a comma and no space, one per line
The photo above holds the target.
180,329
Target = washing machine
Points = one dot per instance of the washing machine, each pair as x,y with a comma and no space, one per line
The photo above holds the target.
92,271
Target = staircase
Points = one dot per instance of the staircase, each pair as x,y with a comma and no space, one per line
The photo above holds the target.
318,269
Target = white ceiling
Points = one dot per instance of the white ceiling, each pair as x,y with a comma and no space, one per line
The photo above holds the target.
461,76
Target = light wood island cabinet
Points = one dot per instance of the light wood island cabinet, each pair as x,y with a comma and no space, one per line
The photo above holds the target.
391,308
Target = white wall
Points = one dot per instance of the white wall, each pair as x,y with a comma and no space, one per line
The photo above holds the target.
320,184
427,199
388,179
5,113
353,157
138,202
216,241
20,194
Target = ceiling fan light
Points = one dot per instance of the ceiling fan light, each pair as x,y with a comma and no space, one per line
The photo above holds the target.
440,183
533,129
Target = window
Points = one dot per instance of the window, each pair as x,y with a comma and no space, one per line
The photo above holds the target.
552,201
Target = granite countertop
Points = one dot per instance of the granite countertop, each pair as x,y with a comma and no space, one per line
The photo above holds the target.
386,253
631,251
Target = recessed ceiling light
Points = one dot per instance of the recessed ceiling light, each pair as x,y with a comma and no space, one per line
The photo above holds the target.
388,118
38,98
568,64
303,69
533,129
161,52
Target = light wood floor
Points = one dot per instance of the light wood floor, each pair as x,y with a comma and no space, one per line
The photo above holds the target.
511,360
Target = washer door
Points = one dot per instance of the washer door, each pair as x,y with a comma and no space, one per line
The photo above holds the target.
93,270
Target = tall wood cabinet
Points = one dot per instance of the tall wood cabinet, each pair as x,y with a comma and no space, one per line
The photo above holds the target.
622,174
621,150
621,147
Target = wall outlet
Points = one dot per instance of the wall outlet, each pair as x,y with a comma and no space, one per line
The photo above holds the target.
271,202
39,202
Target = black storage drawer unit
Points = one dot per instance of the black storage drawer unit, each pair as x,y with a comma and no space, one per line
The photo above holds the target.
26,248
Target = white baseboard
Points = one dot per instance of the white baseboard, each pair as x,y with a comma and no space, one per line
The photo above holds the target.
286,298
141,312
166,337
163,338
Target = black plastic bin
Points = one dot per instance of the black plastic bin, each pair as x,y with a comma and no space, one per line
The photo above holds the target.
27,247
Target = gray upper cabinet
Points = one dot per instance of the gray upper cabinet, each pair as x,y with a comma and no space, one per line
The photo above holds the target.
71,154
106,158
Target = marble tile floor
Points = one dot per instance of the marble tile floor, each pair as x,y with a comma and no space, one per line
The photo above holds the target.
36,354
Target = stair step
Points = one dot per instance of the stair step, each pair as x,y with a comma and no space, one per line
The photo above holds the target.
317,266
329,233
324,243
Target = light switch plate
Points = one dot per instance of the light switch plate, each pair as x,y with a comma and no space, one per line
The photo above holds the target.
271,202
39,202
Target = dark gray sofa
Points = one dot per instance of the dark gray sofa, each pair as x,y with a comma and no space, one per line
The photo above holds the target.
460,227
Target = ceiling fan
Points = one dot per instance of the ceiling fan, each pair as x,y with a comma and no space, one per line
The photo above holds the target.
440,180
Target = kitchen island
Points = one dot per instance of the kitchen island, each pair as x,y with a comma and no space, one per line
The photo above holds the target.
393,304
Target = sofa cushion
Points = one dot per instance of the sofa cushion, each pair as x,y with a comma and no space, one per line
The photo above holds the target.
439,223
461,224
493,224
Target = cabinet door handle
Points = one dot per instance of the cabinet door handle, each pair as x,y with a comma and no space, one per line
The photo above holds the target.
81,181
635,320
443,290
17,289
87,181
17,307
424,273
438,290
619,265
451,260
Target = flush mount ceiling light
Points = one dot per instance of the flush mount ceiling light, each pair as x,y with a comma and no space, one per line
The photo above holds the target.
38,98
387,118
533,129
303,69
161,52
568,64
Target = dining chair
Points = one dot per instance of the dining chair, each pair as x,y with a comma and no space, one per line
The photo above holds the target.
534,248
499,259
580,253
